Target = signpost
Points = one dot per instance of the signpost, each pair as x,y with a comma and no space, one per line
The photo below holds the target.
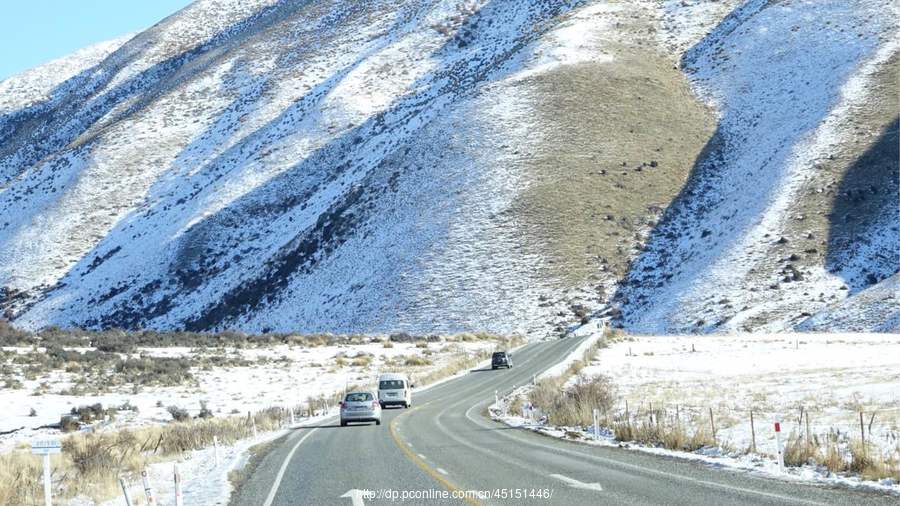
46,448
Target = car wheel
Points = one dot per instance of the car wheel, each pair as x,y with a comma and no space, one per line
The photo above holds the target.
377,422
343,423
493,368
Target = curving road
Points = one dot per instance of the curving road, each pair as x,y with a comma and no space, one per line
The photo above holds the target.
445,444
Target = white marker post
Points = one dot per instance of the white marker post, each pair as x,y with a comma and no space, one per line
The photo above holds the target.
292,416
216,449
46,448
179,498
780,447
496,398
596,424
125,491
148,490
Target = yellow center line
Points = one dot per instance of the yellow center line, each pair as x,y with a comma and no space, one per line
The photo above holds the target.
421,463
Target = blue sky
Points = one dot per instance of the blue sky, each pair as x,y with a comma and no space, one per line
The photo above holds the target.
37,31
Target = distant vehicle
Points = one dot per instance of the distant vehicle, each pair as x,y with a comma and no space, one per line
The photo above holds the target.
394,390
360,407
501,359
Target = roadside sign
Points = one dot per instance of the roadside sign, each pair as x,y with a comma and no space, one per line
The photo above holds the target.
46,447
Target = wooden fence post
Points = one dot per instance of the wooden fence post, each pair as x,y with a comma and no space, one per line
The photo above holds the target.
752,434
712,423
862,431
808,436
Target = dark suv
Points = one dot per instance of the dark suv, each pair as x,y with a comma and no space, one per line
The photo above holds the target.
501,359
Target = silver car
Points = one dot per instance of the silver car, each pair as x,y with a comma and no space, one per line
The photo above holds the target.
360,407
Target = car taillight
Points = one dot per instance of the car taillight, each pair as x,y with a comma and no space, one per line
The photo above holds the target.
343,405
374,404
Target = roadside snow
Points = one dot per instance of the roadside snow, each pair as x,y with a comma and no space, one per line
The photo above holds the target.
832,376
594,331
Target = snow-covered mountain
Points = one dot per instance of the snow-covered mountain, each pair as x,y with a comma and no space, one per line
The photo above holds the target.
432,165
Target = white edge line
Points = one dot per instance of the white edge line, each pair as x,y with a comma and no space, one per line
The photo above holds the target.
287,460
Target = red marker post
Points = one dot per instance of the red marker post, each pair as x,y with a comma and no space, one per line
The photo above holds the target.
780,447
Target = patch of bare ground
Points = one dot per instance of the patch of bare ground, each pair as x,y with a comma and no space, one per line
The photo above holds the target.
618,141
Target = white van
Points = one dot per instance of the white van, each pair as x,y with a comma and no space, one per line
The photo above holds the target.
394,389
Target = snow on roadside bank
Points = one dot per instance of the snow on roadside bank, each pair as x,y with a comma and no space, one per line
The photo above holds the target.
594,331
830,375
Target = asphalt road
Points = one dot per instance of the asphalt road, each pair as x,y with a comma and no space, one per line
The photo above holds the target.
445,444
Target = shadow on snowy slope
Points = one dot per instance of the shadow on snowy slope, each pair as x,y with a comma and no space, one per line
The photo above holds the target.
350,172
863,238
769,101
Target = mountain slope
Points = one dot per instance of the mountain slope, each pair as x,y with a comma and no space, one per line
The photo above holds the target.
758,238
438,166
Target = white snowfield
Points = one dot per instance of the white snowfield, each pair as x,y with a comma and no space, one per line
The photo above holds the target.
348,166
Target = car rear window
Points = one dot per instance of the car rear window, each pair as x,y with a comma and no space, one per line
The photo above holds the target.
390,385
359,397
500,354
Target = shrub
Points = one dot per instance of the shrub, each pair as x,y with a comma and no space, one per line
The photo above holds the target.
415,361
361,361
88,414
205,412
575,405
798,451
68,423
178,414
13,384
128,406
387,344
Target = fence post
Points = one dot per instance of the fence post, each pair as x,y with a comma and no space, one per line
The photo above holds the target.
496,398
712,423
862,431
253,423
292,416
125,491
780,447
596,424
627,414
148,490
179,499
216,449
752,434
808,433
47,489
